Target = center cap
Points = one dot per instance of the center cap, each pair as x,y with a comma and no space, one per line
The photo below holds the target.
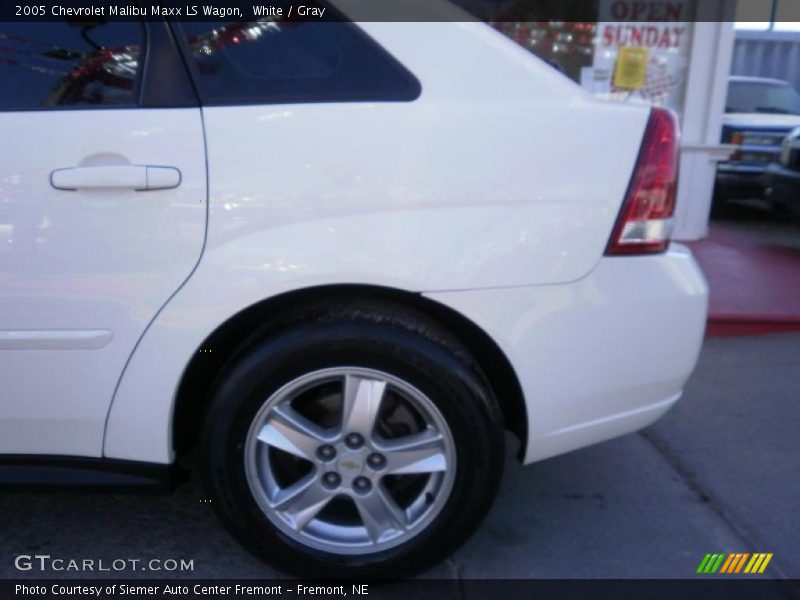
350,464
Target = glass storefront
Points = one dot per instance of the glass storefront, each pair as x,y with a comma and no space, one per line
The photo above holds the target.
623,50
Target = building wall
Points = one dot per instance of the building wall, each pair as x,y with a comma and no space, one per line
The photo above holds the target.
773,54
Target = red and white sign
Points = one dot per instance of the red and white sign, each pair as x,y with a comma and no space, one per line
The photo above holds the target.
664,28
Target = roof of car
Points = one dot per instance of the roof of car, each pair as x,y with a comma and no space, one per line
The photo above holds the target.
741,79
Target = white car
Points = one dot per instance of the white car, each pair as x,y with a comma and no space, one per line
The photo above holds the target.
338,261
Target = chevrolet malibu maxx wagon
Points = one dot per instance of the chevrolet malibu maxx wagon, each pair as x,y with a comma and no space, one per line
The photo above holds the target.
333,261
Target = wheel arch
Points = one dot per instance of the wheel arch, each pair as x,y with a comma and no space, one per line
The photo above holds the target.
191,399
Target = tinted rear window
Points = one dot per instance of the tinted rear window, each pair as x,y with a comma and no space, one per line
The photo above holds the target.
69,63
268,61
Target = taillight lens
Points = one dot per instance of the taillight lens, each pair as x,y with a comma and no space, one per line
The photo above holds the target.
645,222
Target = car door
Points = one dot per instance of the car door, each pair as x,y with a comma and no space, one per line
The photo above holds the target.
102,217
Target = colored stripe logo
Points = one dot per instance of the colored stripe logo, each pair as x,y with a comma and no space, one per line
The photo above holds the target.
735,562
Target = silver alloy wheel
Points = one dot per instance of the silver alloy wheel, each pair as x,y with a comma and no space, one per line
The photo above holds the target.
350,460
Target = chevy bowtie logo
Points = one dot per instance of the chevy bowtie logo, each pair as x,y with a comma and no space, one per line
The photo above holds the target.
735,563
350,465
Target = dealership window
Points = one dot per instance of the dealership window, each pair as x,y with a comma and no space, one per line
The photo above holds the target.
68,63
623,50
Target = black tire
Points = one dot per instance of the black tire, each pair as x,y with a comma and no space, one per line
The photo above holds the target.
379,336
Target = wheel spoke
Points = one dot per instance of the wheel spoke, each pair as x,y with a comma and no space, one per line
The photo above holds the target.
307,466
380,514
302,500
361,404
419,453
289,431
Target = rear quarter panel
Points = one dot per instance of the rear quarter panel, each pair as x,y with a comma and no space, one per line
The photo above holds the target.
502,173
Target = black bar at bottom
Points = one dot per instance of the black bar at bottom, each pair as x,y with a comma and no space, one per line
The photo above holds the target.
718,588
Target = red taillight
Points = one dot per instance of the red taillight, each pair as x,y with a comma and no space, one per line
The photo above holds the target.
644,225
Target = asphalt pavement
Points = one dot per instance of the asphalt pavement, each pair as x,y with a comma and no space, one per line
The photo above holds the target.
719,473
756,219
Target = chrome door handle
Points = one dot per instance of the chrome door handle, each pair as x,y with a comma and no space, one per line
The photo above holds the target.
118,177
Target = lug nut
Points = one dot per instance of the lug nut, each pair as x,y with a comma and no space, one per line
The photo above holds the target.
331,479
376,461
362,484
326,452
354,440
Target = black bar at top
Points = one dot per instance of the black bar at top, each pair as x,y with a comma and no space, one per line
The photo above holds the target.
382,10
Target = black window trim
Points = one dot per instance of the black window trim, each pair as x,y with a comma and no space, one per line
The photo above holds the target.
166,81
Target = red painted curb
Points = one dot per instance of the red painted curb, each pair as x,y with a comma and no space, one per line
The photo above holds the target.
733,325
755,285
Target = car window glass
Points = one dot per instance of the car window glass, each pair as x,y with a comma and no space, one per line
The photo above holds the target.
68,63
266,60
754,97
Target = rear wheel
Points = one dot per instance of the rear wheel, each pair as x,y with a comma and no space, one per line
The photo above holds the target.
353,442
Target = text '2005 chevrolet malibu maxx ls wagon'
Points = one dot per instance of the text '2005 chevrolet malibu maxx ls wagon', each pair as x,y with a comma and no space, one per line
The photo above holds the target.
337,260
